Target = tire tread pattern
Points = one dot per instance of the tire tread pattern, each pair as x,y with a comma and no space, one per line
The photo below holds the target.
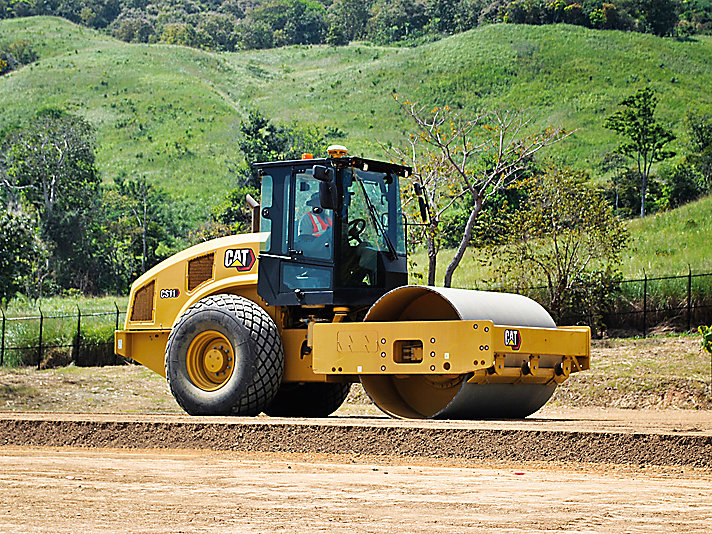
268,366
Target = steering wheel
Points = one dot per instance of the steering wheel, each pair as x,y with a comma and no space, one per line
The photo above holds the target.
356,228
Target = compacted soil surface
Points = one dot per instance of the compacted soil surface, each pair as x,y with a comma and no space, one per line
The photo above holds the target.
581,470
108,490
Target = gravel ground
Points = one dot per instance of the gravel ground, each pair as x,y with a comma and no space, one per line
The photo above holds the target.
49,490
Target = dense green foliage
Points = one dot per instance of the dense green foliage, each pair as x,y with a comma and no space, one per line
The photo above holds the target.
234,25
566,239
17,249
700,146
47,167
88,238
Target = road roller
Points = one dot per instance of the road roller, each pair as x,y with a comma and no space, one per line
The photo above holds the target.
284,319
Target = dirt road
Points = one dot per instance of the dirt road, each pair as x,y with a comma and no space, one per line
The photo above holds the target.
107,490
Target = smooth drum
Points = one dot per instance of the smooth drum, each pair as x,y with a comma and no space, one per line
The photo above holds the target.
447,396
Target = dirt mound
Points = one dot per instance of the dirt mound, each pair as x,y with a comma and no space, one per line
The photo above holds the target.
380,438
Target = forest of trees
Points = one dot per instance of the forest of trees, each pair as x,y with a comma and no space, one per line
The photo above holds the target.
230,25
62,229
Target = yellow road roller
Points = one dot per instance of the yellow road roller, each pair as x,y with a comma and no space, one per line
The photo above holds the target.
284,319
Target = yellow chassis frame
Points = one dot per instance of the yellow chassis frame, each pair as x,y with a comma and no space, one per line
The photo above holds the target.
343,351
492,353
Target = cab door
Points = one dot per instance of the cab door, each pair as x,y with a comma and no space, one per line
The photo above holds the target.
311,238
297,268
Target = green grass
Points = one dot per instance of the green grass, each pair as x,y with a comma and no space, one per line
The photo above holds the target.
21,306
672,241
171,113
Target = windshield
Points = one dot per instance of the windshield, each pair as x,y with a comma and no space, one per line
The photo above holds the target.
372,202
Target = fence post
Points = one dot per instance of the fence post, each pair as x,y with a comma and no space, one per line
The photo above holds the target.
117,327
2,347
689,298
79,335
645,304
39,347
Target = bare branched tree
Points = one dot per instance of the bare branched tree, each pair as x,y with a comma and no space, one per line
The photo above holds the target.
454,156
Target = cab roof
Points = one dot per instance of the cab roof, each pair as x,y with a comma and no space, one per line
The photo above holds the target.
348,161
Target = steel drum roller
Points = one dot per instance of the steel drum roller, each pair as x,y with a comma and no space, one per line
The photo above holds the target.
447,396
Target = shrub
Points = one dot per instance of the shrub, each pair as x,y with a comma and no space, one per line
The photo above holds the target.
179,34
573,14
706,332
681,184
22,51
7,62
133,30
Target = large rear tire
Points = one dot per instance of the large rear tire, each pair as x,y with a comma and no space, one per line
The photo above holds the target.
224,356
313,399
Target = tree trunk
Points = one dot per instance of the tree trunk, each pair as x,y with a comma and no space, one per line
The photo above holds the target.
432,256
463,244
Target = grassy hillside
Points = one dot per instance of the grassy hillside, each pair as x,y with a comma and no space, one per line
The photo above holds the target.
666,243
155,108
561,75
171,112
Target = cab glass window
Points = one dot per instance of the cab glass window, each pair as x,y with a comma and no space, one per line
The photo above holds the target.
312,227
265,205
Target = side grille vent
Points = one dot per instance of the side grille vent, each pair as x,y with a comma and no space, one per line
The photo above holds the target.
143,303
200,269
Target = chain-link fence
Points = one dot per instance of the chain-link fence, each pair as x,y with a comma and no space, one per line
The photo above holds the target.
53,339
639,306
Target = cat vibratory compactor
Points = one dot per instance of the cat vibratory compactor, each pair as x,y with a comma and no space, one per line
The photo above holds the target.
282,320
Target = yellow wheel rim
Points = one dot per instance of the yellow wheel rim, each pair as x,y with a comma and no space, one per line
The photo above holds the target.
210,360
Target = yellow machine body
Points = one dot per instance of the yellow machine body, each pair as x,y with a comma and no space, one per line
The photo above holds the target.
427,356
161,295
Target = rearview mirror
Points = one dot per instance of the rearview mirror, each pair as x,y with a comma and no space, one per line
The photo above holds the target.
323,174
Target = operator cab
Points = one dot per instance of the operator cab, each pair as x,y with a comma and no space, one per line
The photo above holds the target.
336,231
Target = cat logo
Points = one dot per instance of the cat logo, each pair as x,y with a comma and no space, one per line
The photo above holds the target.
242,259
512,338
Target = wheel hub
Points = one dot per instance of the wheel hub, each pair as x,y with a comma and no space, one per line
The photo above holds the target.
215,360
210,360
